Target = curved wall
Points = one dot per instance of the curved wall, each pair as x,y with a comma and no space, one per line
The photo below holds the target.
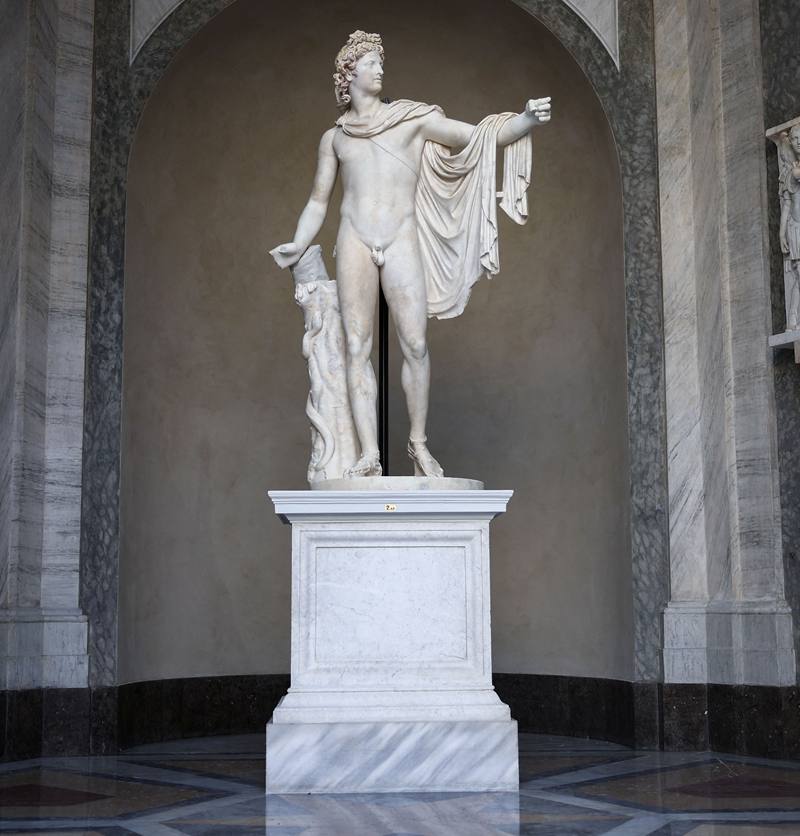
528,386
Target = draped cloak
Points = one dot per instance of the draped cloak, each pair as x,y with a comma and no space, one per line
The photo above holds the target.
456,209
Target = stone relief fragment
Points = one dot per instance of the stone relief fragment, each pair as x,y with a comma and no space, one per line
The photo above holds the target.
787,139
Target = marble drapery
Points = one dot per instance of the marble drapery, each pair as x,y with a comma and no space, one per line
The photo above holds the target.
456,207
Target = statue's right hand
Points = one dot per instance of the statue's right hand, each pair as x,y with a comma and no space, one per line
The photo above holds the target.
784,244
286,255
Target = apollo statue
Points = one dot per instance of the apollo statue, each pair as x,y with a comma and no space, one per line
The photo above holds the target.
418,215
789,194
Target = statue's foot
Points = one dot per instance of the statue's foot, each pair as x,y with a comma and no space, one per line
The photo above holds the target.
424,462
369,465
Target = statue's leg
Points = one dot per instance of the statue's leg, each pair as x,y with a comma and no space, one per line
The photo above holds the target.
403,282
793,302
357,280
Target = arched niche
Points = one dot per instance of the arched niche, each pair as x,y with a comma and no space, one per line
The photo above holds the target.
120,94
600,16
528,386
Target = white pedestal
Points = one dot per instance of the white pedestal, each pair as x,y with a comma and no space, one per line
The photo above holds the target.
391,646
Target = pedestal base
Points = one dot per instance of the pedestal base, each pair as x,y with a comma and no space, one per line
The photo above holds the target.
392,757
391,646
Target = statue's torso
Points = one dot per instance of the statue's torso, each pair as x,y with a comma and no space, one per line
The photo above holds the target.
379,180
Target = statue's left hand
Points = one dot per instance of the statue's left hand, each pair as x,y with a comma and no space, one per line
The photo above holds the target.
286,255
538,110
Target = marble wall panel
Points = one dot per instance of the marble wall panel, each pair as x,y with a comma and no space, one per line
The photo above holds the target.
50,46
100,476
697,335
724,513
780,35
683,394
68,257
27,442
706,195
601,15
146,17
752,440
13,38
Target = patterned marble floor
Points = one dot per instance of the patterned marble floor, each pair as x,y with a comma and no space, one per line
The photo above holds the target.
577,787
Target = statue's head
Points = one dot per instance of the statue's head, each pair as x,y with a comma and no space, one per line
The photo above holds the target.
359,62
794,138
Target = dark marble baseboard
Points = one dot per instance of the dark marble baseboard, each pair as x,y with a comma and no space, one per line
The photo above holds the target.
602,709
738,719
170,709
45,721
743,719
53,722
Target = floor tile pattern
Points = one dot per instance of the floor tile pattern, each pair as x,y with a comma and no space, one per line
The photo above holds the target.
569,787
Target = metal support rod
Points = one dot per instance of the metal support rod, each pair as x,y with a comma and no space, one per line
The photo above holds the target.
383,382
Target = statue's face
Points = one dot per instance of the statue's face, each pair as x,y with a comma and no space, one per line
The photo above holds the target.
794,138
368,76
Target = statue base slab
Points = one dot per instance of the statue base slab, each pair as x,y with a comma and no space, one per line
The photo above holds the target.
397,483
392,757
788,339
391,646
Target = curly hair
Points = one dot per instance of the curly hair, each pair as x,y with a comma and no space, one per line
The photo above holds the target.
358,44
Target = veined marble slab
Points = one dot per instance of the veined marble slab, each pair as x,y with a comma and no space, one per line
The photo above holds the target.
742,642
727,621
601,16
146,17
43,635
392,757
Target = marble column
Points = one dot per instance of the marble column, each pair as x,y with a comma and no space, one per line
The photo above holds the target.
43,634
727,620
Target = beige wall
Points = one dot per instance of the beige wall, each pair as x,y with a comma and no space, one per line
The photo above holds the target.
528,385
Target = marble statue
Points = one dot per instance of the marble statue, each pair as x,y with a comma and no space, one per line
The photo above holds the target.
789,192
418,215
787,140
334,444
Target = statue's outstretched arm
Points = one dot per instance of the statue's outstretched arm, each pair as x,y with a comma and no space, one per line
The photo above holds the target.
537,112
313,216
455,134
449,132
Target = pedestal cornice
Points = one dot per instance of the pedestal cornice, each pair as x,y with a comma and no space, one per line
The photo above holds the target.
294,506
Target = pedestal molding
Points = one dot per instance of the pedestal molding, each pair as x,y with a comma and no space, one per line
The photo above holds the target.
738,642
326,506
